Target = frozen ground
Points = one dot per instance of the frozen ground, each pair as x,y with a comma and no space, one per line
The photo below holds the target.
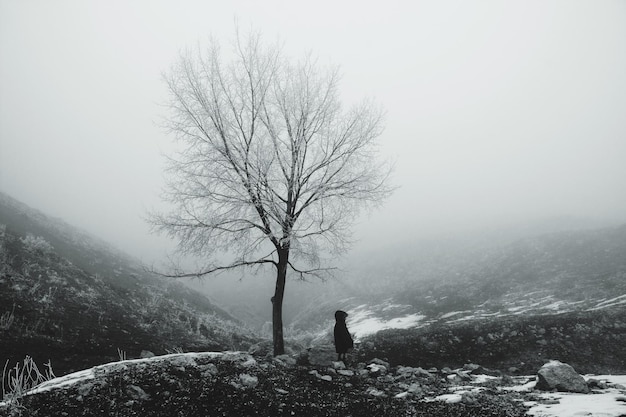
610,402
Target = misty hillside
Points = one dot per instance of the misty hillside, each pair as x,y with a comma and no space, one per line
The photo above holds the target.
455,280
71,298
505,305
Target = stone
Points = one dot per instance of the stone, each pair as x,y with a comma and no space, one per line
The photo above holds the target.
146,354
375,392
323,355
415,389
376,370
559,376
136,393
262,349
286,360
339,365
380,362
405,370
596,383
471,367
320,376
345,372
249,363
209,370
249,381
424,373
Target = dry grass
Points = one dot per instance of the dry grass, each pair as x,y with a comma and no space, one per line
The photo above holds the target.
18,380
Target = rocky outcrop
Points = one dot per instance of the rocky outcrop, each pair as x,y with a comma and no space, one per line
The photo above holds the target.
559,376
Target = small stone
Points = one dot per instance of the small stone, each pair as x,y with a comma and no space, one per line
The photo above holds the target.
376,369
596,383
136,393
380,362
251,362
375,392
249,381
146,354
208,370
345,372
550,402
285,360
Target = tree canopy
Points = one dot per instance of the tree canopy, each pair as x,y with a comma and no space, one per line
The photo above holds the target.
271,168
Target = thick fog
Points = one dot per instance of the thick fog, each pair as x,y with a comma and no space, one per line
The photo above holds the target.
498,113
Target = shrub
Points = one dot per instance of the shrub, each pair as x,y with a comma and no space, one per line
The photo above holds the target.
36,244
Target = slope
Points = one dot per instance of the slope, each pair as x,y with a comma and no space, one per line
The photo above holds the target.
71,298
559,295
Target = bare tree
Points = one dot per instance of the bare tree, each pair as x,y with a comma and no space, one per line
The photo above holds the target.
271,169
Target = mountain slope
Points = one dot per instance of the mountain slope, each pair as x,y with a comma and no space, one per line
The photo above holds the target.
560,295
68,297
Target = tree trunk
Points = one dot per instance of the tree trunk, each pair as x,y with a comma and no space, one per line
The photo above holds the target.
277,303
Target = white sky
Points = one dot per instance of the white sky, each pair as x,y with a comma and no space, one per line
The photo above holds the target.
496,110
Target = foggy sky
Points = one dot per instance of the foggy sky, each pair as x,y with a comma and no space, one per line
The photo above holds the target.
496,111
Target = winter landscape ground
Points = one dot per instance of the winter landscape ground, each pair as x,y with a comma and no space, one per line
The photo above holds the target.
454,332
236,384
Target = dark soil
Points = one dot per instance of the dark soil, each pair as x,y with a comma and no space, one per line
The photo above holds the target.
213,387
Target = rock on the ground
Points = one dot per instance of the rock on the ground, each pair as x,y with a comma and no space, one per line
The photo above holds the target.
249,381
137,393
559,376
323,355
146,354
285,360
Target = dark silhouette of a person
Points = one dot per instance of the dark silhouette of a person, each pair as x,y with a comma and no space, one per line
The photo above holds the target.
343,340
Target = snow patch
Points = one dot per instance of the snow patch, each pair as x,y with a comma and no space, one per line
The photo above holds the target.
363,322
610,303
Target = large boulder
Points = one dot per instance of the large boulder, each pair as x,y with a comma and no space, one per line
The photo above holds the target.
322,355
559,376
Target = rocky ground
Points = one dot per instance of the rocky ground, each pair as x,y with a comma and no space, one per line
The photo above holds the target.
241,384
